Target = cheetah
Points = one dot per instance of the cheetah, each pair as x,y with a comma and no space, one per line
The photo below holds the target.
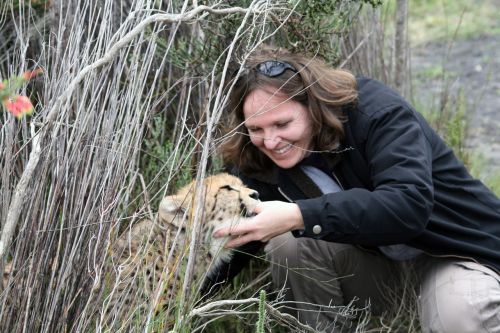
149,260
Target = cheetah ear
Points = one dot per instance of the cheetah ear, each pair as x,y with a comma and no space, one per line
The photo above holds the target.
171,211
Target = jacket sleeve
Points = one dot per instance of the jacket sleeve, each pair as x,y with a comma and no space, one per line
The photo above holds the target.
399,160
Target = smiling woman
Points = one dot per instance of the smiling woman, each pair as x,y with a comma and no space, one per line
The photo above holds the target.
278,126
343,165
261,89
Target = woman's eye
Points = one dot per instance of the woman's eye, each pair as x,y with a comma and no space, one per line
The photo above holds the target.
282,125
252,130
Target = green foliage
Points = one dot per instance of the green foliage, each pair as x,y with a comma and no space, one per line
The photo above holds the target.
35,4
318,25
456,127
432,72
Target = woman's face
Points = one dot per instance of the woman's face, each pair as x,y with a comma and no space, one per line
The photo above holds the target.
279,127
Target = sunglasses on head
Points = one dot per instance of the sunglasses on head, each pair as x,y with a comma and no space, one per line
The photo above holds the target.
272,68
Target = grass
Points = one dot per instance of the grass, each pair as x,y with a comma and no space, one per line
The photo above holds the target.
437,20
442,20
435,72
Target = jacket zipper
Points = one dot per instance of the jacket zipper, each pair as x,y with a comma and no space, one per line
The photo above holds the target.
337,180
284,195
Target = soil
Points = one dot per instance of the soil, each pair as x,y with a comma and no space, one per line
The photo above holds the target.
474,66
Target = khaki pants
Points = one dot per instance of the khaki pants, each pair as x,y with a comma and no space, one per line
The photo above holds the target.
318,279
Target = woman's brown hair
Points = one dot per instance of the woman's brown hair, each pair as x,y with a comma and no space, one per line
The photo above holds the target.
321,88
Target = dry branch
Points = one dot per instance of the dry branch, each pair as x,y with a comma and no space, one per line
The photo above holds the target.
208,309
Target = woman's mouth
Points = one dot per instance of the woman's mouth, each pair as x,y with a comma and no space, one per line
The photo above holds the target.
284,149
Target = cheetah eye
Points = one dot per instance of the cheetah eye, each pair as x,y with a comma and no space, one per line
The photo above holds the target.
227,187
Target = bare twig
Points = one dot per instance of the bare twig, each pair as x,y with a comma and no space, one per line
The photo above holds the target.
206,310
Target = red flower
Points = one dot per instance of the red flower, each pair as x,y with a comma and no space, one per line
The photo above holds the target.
28,75
18,106
2,85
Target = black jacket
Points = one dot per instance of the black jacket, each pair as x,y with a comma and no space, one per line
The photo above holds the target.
402,185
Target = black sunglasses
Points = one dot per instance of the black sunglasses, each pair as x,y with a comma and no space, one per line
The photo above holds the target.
272,68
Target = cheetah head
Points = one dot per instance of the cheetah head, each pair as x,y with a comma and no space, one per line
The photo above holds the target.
225,201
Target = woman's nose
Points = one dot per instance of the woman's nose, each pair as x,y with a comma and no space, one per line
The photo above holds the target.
271,141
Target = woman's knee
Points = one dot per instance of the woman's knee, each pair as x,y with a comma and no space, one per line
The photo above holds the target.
460,297
282,249
288,250
295,261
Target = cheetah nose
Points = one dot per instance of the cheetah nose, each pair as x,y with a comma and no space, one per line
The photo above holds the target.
254,195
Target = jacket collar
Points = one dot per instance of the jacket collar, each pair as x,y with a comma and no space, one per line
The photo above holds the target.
268,176
274,175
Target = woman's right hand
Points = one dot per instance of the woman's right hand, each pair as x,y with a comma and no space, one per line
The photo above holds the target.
272,218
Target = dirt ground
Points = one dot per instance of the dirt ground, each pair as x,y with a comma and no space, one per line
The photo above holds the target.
473,65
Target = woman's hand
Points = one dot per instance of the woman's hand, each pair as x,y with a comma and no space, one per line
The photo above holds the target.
273,218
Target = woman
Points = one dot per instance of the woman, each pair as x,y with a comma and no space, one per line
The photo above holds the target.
355,185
